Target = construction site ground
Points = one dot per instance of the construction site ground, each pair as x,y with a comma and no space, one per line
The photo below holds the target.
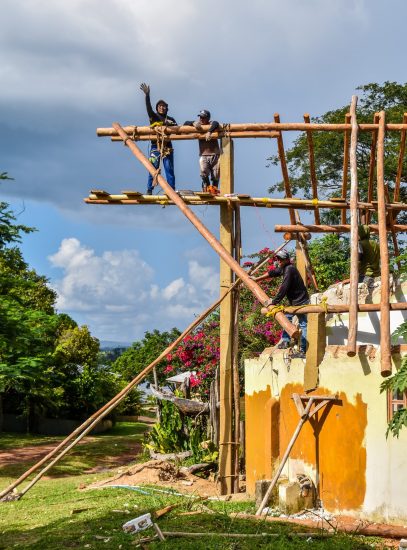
76,506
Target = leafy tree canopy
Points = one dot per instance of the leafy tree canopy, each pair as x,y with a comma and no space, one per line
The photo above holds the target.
329,146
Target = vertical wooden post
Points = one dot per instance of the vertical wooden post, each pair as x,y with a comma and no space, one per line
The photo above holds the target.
226,326
385,348
354,222
235,362
345,167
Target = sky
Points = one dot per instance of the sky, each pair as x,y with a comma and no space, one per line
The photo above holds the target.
68,67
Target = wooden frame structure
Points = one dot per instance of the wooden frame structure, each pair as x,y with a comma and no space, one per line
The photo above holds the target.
230,203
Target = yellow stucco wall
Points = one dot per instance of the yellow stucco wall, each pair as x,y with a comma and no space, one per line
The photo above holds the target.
359,469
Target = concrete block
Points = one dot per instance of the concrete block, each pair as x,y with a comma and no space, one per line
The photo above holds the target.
293,499
261,488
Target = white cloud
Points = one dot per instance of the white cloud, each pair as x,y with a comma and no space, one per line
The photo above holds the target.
116,294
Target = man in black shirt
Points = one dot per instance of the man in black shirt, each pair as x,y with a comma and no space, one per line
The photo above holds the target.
292,287
159,118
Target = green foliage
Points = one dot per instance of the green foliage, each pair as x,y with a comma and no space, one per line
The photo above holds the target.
143,352
397,384
328,147
330,258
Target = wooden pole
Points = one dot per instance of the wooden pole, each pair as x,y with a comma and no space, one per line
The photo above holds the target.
208,236
393,231
372,164
235,350
284,168
293,439
396,194
301,228
195,135
354,256
250,127
346,144
385,343
312,168
342,308
226,451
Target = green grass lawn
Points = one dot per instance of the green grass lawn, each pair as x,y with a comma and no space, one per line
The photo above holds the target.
56,513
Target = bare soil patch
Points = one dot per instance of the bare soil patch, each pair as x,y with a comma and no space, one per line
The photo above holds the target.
165,474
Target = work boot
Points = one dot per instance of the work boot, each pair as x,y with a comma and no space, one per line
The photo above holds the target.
149,192
213,190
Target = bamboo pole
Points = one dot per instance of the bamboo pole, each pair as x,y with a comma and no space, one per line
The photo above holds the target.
300,204
301,228
354,258
93,420
312,168
293,439
346,143
284,168
215,244
251,127
396,194
385,347
372,163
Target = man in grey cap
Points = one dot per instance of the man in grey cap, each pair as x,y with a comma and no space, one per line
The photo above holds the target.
292,287
209,152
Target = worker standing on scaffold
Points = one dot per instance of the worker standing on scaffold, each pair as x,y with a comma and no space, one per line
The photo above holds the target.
165,152
209,152
294,288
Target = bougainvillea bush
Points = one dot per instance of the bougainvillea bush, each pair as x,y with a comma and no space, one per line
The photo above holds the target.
199,351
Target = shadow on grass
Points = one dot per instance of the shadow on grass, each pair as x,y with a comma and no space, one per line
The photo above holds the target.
105,531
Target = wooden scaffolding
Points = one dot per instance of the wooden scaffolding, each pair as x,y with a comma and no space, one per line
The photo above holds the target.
228,245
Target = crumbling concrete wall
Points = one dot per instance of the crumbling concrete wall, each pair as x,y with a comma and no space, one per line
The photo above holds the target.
356,469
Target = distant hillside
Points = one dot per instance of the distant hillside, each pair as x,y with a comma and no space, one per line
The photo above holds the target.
111,344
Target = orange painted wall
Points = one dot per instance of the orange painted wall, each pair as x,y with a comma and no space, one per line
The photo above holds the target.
342,454
262,442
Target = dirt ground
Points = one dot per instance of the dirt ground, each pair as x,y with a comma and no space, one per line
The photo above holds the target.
165,474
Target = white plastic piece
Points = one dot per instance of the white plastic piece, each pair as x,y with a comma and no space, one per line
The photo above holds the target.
138,524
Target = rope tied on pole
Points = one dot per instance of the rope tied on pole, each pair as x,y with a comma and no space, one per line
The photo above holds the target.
273,311
134,134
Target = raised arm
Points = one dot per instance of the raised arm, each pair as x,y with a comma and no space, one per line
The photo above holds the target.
146,89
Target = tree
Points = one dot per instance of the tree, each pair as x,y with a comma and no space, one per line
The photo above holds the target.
330,256
328,147
143,352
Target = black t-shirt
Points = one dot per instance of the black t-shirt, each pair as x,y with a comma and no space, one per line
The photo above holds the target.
291,286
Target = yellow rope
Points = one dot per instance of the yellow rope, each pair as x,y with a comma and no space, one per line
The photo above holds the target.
324,303
315,202
272,312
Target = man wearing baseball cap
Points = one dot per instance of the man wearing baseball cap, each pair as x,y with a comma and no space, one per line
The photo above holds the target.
209,152
159,118
293,287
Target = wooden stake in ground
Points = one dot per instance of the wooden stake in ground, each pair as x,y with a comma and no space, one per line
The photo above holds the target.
354,222
235,356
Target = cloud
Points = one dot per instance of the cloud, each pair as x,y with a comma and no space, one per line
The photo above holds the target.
117,294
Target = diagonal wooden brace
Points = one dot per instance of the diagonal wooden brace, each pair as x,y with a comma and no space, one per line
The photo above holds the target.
204,231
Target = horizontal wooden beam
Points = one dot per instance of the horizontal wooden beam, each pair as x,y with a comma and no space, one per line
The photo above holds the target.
201,135
102,197
249,127
331,228
340,308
